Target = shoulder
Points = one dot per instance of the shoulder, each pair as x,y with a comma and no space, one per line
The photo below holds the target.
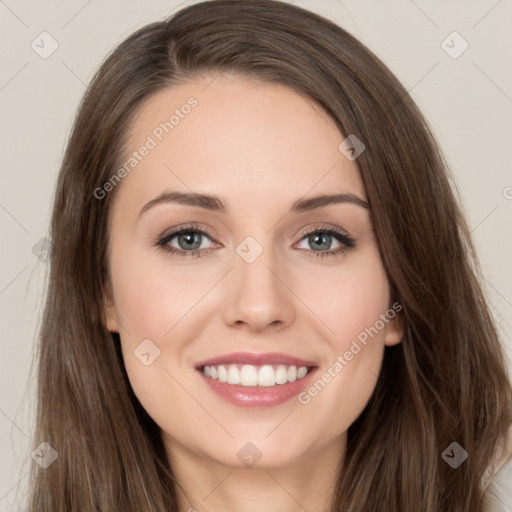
498,480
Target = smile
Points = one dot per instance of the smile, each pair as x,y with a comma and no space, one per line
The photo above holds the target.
248,379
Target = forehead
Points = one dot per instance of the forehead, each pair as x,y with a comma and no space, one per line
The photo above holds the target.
244,140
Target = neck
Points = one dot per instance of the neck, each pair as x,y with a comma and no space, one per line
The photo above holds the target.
304,484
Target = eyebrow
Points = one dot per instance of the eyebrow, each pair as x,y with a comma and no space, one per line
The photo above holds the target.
216,204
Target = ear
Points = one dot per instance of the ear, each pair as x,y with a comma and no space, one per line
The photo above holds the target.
394,330
110,320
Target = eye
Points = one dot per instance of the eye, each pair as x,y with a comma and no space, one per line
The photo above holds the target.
189,241
184,241
321,239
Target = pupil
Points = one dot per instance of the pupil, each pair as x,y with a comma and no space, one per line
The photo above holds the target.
315,238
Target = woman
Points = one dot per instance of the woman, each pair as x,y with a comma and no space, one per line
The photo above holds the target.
262,291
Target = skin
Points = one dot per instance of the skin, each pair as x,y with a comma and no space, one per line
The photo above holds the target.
260,147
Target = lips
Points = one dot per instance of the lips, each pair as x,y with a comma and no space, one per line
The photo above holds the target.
256,380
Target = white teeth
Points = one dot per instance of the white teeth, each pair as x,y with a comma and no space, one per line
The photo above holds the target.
281,375
223,373
301,372
250,375
266,376
233,375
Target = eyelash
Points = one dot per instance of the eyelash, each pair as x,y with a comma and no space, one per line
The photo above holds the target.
347,242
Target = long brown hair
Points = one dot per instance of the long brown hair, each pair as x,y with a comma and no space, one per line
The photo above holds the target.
446,382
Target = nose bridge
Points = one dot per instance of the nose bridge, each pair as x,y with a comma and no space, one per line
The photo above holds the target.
256,294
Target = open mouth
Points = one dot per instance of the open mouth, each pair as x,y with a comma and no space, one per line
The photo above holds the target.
266,375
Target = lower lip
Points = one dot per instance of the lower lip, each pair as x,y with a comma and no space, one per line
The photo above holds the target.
254,396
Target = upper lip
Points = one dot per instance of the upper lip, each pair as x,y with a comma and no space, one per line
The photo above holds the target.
255,359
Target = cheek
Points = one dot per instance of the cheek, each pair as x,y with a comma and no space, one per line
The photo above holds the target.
151,297
156,306
151,303
352,305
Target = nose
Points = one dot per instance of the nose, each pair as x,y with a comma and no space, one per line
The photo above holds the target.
258,297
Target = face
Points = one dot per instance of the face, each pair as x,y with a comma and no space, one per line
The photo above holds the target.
251,285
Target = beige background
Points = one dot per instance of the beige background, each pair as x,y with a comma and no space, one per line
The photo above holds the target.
467,100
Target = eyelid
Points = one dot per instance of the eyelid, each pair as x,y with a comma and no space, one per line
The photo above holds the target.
323,227
192,226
